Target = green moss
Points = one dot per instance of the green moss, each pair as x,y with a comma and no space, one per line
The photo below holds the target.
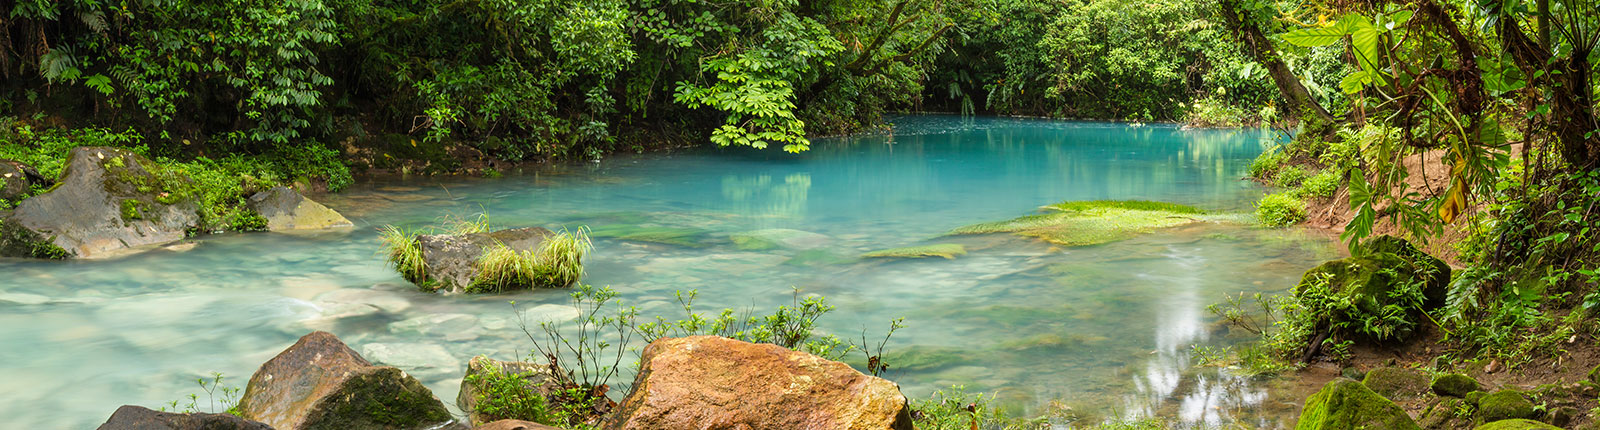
1504,405
1083,223
381,399
1454,385
675,236
1396,383
751,242
130,210
943,250
17,241
1344,404
1517,424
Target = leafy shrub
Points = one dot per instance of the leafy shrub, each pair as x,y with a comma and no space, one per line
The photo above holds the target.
1217,112
1289,177
1321,185
1267,164
507,396
955,409
1280,209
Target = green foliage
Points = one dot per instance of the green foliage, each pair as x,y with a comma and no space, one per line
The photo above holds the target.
557,263
956,409
1267,164
213,388
404,253
1280,209
791,326
502,395
1321,185
1289,177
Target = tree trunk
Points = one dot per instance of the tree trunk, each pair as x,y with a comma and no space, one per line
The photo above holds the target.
1299,99
1571,93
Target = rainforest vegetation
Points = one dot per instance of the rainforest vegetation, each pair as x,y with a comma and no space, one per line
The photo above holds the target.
1468,127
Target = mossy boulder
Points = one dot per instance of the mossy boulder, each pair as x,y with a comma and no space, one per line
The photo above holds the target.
1454,385
1517,424
1444,414
1344,404
1378,294
108,201
285,209
1396,382
1080,223
1505,405
320,383
536,379
16,179
131,417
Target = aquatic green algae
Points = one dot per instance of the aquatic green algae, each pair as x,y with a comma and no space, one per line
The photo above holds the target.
1082,223
947,251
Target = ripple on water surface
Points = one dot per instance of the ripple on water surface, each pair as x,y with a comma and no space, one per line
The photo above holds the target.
1104,328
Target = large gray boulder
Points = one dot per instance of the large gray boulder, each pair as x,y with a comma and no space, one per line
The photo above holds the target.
285,209
17,178
450,261
109,200
320,383
140,418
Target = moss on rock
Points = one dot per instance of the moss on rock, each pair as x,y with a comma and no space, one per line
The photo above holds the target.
1454,385
1345,404
1517,424
1378,294
1396,383
1080,223
1504,405
944,250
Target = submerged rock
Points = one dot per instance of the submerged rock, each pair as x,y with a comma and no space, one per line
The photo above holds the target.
285,209
1344,404
948,251
320,383
132,417
709,382
1397,383
109,200
774,238
17,179
537,379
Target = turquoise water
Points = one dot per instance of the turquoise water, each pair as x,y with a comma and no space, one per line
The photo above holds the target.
1098,331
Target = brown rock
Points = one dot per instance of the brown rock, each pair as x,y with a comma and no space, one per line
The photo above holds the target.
140,418
319,383
286,209
710,382
538,378
514,425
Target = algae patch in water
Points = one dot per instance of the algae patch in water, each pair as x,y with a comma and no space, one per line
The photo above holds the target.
1095,222
676,236
945,250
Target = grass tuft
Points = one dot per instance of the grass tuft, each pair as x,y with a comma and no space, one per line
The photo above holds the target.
404,253
557,263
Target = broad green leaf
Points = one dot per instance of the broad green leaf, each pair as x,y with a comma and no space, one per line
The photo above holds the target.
1353,82
1313,37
